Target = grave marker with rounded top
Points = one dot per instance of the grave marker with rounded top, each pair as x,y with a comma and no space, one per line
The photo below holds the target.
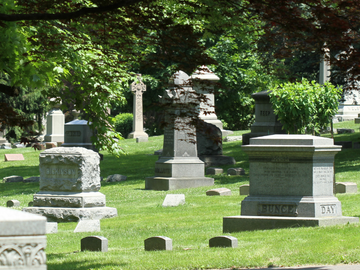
94,243
158,243
223,241
174,200
214,171
219,192
346,187
236,171
12,203
244,189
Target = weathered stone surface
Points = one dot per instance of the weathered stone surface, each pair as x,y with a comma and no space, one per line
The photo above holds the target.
141,139
116,178
13,157
346,187
208,139
219,192
345,130
214,171
174,200
232,138
72,169
236,171
50,145
13,203
94,243
88,226
158,243
13,178
244,189
51,227
223,241
32,179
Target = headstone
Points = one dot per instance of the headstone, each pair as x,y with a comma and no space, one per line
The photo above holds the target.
244,189
13,178
276,202
69,186
94,243
6,147
346,187
55,121
325,73
13,203
223,242
138,122
13,157
236,171
266,121
179,165
51,227
349,106
88,226
214,171
233,138
219,192
19,145
158,243
142,139
78,134
174,200
22,240
116,178
32,179
345,130
357,119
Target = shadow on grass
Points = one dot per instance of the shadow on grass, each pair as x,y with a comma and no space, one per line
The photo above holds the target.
20,170
10,189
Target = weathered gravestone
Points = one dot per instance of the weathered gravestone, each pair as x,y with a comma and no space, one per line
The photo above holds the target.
223,241
266,121
22,240
345,187
55,121
158,243
174,200
291,184
69,186
12,203
138,122
88,226
94,243
78,134
349,106
179,165
219,192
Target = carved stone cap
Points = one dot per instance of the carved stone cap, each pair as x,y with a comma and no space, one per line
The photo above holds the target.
69,151
204,73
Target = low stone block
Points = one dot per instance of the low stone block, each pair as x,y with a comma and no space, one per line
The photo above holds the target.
223,241
116,178
244,189
19,145
13,157
94,243
232,138
174,200
236,171
346,187
13,178
12,203
142,139
51,227
214,171
32,179
219,192
88,226
158,243
345,130
50,145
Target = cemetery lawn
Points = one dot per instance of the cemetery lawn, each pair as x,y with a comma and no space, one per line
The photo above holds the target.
190,226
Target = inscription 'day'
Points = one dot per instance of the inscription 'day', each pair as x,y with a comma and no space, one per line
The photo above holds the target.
277,210
328,209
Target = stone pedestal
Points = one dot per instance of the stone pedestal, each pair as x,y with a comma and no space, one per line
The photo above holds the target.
179,166
78,134
55,121
266,122
138,122
69,186
291,184
22,240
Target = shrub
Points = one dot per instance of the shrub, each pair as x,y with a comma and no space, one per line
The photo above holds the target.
123,123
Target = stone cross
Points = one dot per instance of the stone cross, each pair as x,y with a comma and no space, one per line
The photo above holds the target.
324,67
138,125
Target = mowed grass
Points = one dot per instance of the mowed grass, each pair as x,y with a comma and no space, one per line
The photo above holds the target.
190,226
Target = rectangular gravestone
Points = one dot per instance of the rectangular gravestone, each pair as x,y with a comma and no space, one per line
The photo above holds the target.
14,157
174,200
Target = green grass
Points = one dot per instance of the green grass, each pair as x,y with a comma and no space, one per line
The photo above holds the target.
140,215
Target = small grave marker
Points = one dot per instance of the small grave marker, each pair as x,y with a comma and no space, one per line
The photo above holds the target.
158,243
51,227
94,243
12,203
244,189
116,178
142,139
13,178
174,200
219,192
14,157
214,171
223,241
88,226
236,171
346,187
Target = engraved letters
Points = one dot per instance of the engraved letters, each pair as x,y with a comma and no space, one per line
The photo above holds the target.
277,210
328,209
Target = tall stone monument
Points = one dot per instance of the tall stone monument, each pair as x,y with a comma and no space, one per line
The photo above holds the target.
138,122
55,121
291,184
325,73
179,165
69,186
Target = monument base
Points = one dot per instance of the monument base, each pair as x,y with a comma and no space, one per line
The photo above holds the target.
251,223
64,214
171,183
217,160
137,134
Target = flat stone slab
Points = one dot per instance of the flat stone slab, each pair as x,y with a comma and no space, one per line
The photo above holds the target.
13,157
223,241
142,139
174,200
13,178
32,179
236,171
251,223
88,226
163,183
59,214
233,138
219,192
244,189
158,243
116,178
345,130
214,171
12,203
346,187
94,243
51,227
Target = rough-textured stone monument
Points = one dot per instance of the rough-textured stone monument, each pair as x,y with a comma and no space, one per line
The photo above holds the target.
78,134
266,121
138,123
291,184
179,165
69,186
55,121
22,240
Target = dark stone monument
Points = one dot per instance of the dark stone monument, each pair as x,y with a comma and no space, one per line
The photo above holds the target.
94,243
158,243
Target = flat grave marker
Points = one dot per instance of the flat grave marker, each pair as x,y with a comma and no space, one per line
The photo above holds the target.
14,157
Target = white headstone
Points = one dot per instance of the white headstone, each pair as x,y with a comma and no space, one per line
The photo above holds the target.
174,200
88,226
